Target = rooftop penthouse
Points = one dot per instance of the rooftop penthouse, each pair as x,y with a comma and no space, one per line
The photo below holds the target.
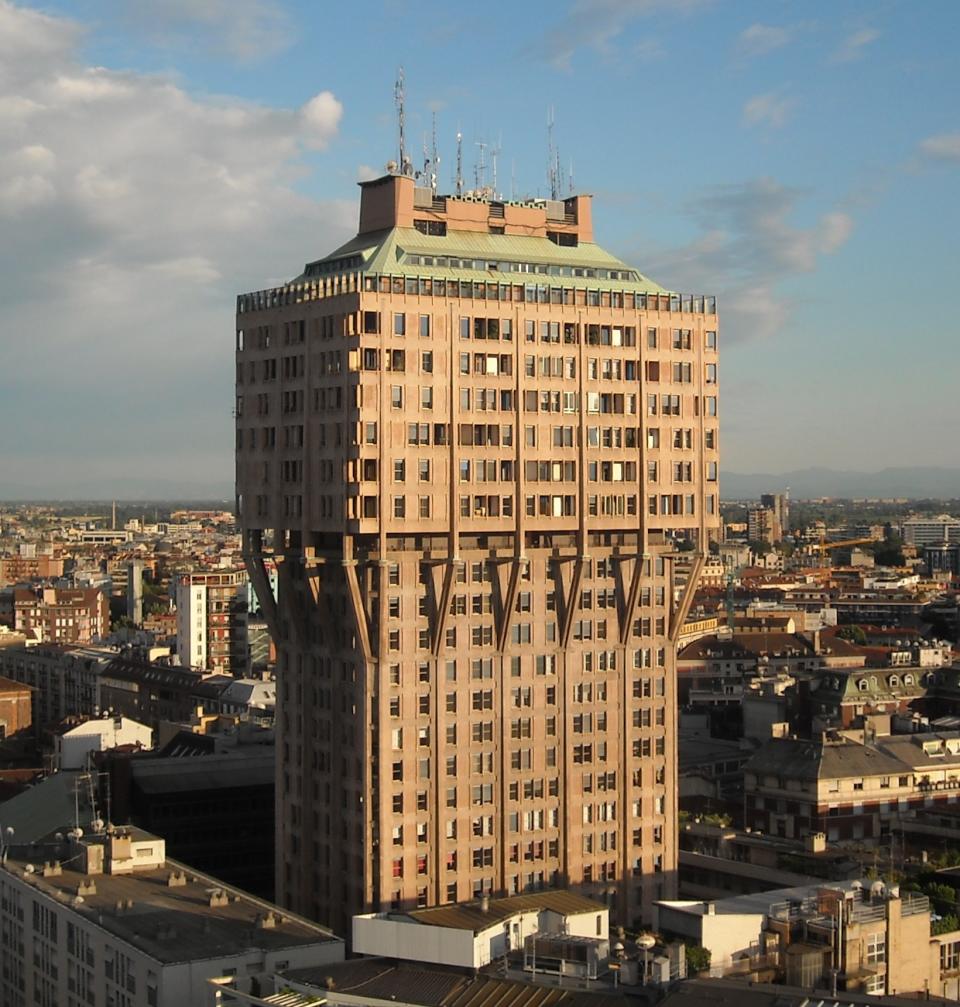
411,241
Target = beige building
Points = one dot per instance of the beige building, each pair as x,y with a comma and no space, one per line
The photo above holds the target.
212,620
856,937
469,437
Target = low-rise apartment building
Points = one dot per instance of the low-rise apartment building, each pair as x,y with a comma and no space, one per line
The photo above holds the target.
62,615
106,920
847,788
64,681
858,937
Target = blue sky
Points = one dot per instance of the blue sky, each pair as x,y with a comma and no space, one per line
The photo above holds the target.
799,160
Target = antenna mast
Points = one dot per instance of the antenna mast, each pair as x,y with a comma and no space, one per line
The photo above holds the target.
552,158
480,169
494,154
459,178
435,154
399,100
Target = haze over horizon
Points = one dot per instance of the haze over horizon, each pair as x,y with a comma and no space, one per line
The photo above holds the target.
158,159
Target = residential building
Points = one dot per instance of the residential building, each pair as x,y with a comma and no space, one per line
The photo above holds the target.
850,936
22,569
16,709
779,503
763,525
212,620
62,615
469,438
106,919
64,681
149,692
847,788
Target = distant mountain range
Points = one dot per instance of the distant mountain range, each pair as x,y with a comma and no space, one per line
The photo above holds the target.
134,490
913,483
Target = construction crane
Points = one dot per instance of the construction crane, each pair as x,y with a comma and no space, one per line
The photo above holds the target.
732,576
824,545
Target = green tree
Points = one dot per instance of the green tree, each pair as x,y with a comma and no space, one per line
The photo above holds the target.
854,634
944,925
943,896
698,959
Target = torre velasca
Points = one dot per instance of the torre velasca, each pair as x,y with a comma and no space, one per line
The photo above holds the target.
481,450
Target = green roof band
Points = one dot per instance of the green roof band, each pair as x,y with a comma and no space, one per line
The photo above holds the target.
402,249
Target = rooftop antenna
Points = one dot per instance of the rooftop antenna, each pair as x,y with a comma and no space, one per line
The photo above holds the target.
570,180
513,178
553,158
459,179
399,100
480,168
435,158
494,154
114,526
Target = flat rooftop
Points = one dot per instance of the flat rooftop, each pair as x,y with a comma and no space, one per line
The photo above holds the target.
171,924
472,916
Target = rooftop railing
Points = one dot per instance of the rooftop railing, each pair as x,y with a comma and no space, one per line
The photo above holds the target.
321,288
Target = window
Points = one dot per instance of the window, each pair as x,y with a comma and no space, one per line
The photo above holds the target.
425,327
436,228
876,948
399,325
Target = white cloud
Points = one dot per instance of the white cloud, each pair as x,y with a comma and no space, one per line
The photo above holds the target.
366,173
759,39
598,23
132,213
244,29
942,147
767,109
321,117
834,231
747,248
854,44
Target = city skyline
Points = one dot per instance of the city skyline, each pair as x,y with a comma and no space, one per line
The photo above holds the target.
157,159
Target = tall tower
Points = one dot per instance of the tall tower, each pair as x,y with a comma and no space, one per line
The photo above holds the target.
135,569
468,438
